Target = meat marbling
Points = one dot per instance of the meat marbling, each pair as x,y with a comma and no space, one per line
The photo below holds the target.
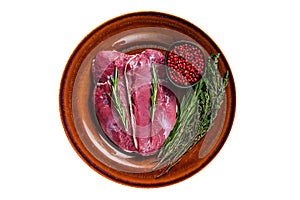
150,136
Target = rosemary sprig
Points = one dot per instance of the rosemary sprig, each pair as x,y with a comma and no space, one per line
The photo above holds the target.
198,109
113,84
153,92
178,142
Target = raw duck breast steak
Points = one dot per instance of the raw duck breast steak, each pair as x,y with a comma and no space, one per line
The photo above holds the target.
142,135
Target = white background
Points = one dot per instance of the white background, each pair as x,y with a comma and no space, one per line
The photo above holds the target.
260,40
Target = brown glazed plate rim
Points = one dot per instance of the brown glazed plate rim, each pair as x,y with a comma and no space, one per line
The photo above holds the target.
82,51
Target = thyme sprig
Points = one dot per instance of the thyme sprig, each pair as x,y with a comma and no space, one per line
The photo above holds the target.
113,84
153,92
197,111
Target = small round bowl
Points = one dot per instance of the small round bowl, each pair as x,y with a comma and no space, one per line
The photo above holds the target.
132,33
170,49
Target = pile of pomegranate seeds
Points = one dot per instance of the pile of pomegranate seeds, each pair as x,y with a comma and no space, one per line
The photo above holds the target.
186,63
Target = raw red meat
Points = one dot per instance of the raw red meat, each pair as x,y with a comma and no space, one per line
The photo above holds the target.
149,135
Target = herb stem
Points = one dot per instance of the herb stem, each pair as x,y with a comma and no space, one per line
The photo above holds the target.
132,118
153,92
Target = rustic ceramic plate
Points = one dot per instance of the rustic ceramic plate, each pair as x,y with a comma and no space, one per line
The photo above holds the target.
132,33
